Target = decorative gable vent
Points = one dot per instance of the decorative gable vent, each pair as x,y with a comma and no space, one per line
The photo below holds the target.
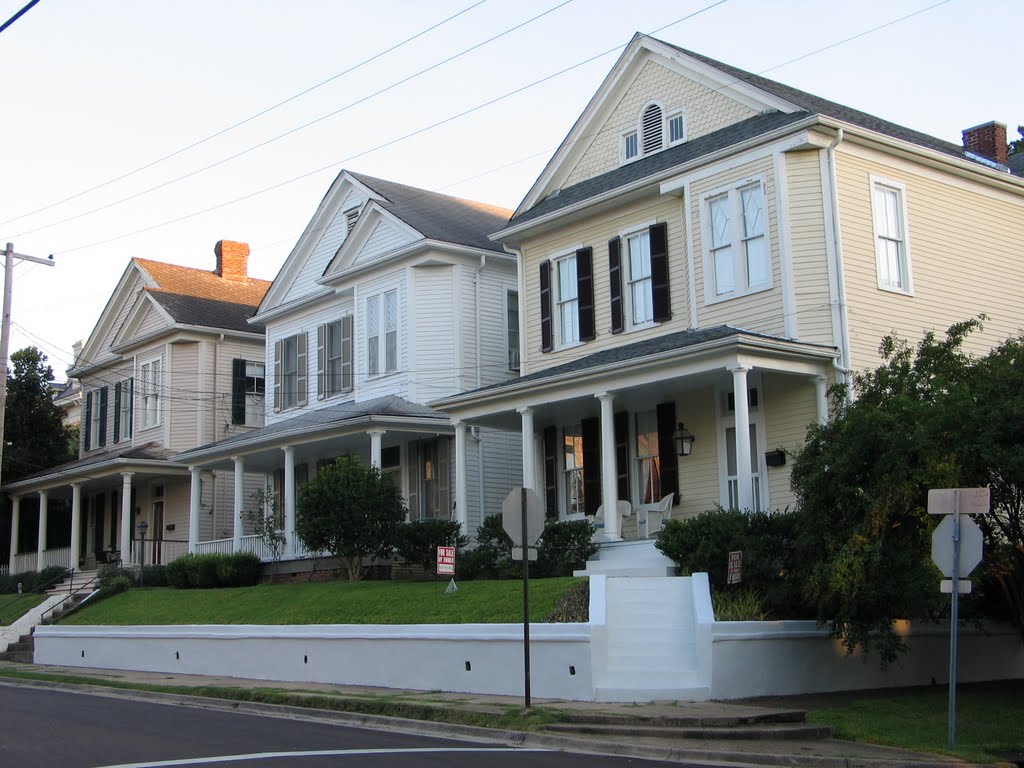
350,219
651,129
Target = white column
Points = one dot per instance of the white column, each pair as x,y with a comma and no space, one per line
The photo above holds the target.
239,517
289,495
461,496
745,498
375,440
529,473
126,517
76,523
609,478
15,530
41,539
821,396
195,501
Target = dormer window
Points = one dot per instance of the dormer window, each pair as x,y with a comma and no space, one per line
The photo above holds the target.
655,131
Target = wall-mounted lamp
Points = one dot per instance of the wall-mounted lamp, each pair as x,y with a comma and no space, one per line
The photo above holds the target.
683,440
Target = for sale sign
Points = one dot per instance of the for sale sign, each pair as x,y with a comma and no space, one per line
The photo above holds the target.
735,567
446,561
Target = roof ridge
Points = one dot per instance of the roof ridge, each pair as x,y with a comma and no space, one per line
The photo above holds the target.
370,180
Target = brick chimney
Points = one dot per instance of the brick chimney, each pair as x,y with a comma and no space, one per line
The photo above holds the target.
233,259
988,140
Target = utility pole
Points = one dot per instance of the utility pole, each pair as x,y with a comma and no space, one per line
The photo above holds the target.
5,329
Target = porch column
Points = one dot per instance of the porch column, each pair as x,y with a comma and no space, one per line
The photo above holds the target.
529,474
744,481
609,477
289,496
195,501
239,517
76,523
41,539
821,396
126,517
375,439
15,530
461,502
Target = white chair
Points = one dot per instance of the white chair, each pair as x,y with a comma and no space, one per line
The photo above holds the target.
624,508
651,518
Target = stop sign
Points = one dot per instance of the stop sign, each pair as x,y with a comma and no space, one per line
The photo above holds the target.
970,546
512,517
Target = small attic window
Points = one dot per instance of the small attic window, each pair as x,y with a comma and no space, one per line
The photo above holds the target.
655,130
651,128
350,219
676,128
630,146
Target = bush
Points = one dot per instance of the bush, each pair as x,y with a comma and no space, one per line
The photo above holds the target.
574,604
154,575
239,569
740,605
177,571
203,572
417,542
564,547
50,576
492,557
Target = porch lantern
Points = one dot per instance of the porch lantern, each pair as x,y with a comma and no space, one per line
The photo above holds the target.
683,440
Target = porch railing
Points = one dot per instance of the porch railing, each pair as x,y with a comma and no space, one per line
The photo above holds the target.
3,570
293,550
160,552
217,546
26,561
61,557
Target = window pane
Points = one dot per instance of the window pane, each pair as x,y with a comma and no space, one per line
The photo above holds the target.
639,256
391,350
758,267
567,279
631,145
572,463
721,221
675,128
752,201
391,311
725,278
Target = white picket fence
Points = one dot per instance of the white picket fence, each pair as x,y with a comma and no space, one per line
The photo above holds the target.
26,561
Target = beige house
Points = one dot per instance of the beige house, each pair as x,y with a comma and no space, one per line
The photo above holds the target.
171,364
705,253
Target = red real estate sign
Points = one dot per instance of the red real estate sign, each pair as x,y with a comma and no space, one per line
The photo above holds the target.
446,561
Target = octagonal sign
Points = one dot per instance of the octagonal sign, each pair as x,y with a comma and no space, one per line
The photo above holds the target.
970,546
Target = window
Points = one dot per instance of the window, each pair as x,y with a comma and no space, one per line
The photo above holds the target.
572,468
638,279
334,358
290,372
653,133
96,418
891,243
739,257
378,326
676,128
123,410
512,316
150,375
648,461
567,301
248,392
630,145
391,464
732,473
727,436
428,480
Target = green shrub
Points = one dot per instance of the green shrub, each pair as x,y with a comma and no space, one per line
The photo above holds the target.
49,577
739,605
417,542
203,572
154,575
574,604
240,569
492,557
564,547
177,571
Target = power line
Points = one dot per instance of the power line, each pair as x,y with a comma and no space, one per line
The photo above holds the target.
248,119
18,15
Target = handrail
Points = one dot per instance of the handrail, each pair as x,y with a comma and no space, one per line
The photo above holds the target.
41,589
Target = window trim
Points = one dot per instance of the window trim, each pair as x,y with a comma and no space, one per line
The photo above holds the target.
733,193
509,293
625,272
556,319
151,390
669,116
280,375
906,264
126,406
382,340
624,156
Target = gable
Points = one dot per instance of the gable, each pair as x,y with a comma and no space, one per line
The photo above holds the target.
118,307
384,238
144,318
376,234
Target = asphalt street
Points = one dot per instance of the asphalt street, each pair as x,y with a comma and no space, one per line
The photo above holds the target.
50,728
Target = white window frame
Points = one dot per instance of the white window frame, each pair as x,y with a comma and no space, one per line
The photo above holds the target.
906,272
150,373
669,117
382,347
727,420
557,326
635,133
513,351
255,400
737,242
637,459
570,477
288,403
125,414
336,326
95,419
626,270
630,135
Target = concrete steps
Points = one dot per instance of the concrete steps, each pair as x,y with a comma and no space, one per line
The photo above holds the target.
22,651
77,580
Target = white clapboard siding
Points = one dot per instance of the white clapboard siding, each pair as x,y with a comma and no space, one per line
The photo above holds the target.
436,372
385,237
180,395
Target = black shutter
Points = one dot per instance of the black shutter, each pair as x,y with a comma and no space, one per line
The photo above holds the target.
659,273
131,406
615,283
545,307
238,391
622,452
117,412
668,461
585,292
103,418
590,431
550,440
88,420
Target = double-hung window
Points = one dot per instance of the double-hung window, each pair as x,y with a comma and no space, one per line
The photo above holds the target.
382,333
248,391
567,301
149,373
123,410
638,277
892,250
96,418
648,458
290,372
639,293
572,469
512,317
334,357
736,230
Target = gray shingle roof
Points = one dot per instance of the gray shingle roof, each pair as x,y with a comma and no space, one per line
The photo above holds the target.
1016,163
440,217
192,310
145,452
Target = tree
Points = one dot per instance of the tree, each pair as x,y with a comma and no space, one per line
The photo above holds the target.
930,417
33,424
265,520
351,511
1017,145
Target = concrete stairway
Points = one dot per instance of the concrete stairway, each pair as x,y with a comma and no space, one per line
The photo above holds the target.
652,642
21,651
73,583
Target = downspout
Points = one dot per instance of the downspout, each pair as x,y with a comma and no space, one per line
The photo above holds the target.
843,364
476,304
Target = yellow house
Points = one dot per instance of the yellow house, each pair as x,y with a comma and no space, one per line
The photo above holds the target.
705,253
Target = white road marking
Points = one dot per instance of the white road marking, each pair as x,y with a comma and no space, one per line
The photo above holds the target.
315,753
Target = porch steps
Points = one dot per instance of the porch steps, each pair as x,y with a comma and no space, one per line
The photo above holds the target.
652,647
76,581
636,558
22,651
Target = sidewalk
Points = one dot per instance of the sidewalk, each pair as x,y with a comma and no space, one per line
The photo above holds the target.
764,733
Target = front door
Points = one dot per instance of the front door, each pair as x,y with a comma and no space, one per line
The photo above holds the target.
158,531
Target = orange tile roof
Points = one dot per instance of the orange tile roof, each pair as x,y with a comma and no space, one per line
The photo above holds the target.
189,281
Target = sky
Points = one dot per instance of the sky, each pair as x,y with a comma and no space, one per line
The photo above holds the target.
152,129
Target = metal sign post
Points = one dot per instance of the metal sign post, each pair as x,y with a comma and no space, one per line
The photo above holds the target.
522,517
526,610
954,626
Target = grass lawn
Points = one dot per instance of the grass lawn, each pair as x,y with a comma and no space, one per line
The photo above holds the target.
989,720
334,602
13,607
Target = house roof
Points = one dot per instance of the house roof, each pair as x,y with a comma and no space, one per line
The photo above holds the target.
210,313
439,217
1016,163
202,284
95,463
807,104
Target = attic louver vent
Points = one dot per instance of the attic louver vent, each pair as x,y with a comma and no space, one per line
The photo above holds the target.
651,129
350,219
